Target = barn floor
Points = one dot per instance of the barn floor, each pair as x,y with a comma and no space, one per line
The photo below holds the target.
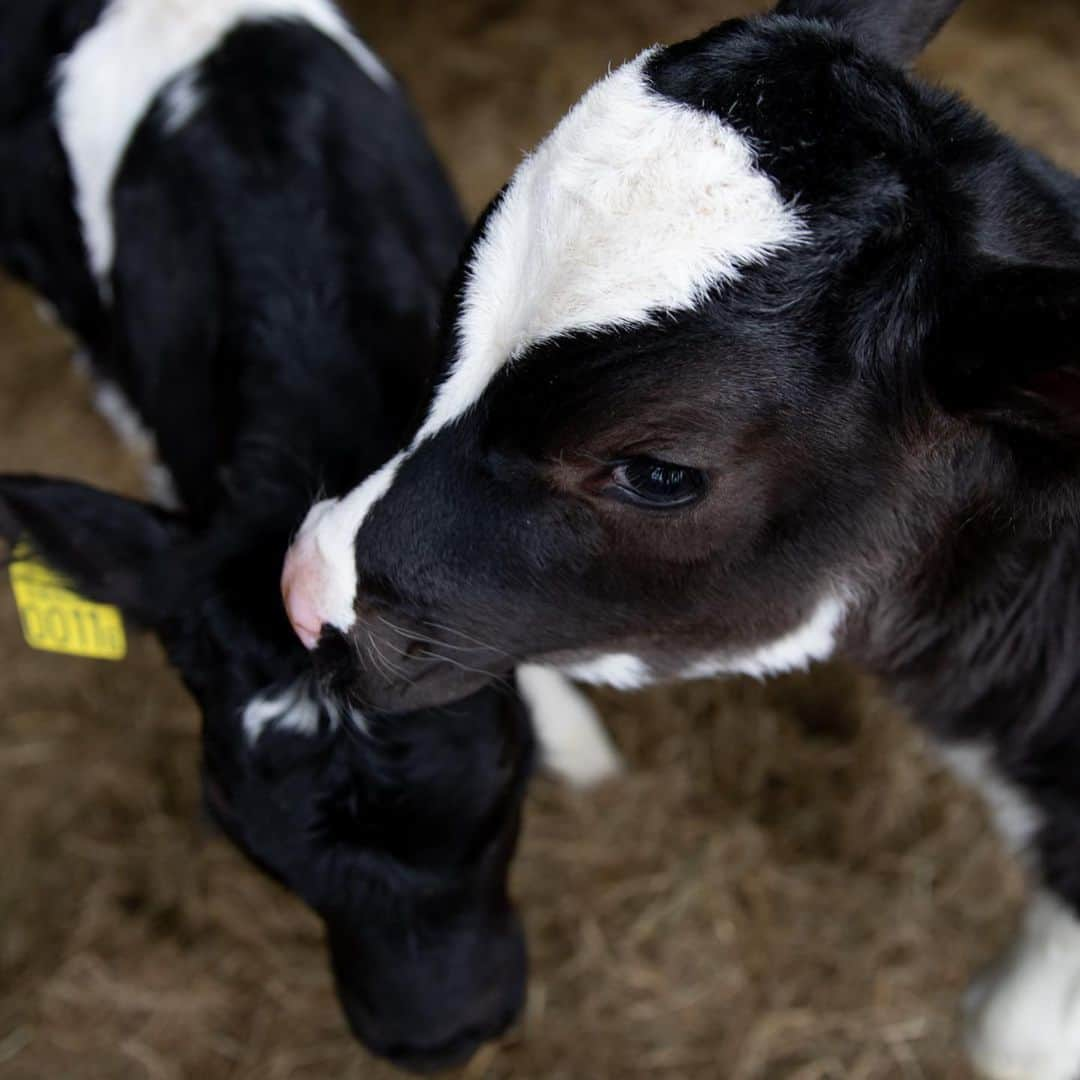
783,886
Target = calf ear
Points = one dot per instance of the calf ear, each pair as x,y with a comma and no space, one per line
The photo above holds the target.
897,30
1007,345
1008,352
108,546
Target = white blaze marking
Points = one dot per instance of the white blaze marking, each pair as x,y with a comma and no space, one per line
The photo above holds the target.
635,205
328,533
110,79
573,741
814,640
1024,1020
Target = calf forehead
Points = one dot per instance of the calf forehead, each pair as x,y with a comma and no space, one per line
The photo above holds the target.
634,206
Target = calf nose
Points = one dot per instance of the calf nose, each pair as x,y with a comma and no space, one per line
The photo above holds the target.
302,581
306,578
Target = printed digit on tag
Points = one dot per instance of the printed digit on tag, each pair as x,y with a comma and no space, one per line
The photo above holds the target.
55,619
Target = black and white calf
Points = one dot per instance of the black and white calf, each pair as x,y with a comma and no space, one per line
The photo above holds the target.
397,830
233,206
768,352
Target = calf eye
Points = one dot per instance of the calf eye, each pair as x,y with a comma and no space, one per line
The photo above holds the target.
645,481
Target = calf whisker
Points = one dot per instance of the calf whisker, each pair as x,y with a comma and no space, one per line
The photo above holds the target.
467,637
486,672
442,644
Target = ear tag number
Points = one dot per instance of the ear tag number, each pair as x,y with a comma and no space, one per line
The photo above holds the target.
54,619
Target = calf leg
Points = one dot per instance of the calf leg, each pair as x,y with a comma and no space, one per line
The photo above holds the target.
1023,1017
573,742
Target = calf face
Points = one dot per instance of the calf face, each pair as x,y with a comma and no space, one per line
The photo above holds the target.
398,830
706,348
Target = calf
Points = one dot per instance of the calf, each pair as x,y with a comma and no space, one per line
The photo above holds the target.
398,831
233,206
767,353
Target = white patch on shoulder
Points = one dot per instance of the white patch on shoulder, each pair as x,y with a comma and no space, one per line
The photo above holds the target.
623,671
635,205
296,708
1024,1019
1015,817
814,640
110,79
573,742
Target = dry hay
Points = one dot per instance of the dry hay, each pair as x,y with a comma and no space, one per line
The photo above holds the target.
783,886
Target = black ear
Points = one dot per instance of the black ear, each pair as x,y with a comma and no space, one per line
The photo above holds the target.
108,546
896,30
1007,346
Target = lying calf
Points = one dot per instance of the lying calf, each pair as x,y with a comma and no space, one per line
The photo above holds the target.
767,353
397,830
234,207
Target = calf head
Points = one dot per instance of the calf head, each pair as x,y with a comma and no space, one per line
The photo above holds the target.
743,310
398,831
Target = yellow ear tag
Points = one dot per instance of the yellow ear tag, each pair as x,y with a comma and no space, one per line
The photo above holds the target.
54,619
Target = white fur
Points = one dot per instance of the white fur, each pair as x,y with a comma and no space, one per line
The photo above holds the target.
47,313
1024,1019
814,640
573,742
161,487
295,708
182,100
623,671
1016,818
113,405
110,79
327,536
635,205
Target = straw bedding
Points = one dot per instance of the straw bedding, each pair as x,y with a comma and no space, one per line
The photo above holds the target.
784,886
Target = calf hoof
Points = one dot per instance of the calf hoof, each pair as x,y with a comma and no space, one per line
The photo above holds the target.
1023,1019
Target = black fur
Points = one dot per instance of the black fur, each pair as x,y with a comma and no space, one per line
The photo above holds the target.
275,289
40,241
